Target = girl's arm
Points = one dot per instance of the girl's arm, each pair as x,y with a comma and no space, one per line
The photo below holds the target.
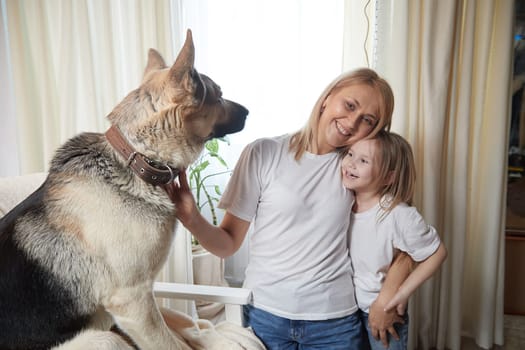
423,271
380,320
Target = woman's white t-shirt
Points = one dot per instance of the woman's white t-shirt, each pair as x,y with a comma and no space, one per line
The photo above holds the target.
375,240
299,266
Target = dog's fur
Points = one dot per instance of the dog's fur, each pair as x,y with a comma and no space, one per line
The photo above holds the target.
91,240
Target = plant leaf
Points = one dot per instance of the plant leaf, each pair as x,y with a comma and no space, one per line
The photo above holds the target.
212,146
200,167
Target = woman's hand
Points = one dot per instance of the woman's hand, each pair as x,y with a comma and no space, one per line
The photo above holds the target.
381,321
180,194
222,240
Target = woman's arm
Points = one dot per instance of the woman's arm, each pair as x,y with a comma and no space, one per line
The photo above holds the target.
399,285
381,321
423,271
222,240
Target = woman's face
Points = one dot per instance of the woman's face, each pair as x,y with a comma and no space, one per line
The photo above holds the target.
348,115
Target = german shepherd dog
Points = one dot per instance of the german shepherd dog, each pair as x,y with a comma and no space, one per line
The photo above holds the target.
90,241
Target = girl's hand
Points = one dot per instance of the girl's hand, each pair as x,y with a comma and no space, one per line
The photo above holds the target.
398,303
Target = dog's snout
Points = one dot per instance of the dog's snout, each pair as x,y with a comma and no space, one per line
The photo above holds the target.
236,118
243,110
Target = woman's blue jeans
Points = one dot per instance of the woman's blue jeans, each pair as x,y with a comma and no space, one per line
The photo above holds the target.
279,333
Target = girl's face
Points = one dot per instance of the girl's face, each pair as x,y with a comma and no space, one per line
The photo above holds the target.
359,167
348,115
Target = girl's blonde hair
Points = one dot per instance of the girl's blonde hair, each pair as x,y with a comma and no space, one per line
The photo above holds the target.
304,138
396,174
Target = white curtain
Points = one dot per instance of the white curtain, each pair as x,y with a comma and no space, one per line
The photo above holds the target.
8,152
72,61
449,63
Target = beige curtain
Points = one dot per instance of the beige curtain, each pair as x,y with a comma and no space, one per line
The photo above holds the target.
449,63
71,62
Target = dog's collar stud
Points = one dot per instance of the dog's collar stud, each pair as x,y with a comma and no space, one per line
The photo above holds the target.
141,165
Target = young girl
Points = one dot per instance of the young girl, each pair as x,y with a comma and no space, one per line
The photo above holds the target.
381,172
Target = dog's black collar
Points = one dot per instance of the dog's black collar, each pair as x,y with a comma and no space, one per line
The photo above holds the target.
148,170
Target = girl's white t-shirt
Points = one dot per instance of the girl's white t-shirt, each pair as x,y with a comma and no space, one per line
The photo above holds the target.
375,241
298,266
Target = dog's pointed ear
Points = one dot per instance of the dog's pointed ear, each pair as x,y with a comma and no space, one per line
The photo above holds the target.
155,61
184,62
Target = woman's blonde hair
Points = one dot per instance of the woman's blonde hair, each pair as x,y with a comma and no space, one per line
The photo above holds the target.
304,138
396,174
